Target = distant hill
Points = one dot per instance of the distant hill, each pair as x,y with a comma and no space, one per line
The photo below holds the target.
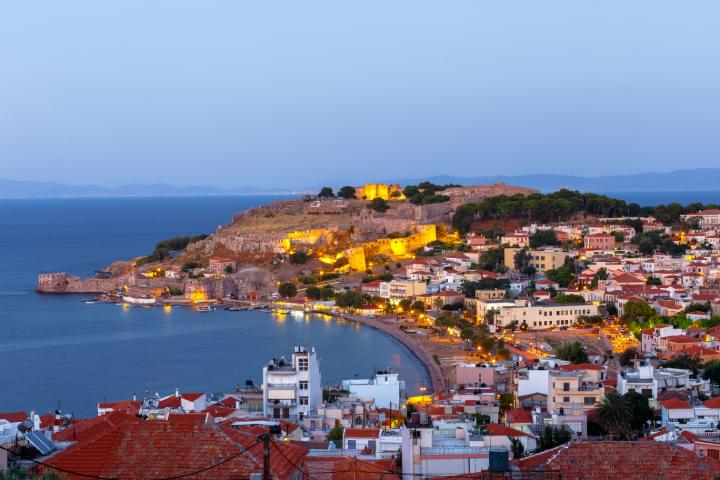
704,179
29,189
701,179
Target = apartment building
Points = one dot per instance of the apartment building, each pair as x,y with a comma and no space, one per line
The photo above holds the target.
576,386
542,259
292,388
531,316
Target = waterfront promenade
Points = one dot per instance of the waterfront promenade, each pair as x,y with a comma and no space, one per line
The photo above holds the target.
437,379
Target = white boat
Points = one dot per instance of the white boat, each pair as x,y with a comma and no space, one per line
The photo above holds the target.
203,308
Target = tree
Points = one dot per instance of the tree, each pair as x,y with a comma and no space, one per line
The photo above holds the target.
517,448
418,306
326,192
627,357
640,410
335,435
569,299
379,205
298,258
507,402
542,238
573,352
493,260
646,246
349,299
521,259
636,310
614,414
287,290
601,274
711,371
346,192
685,362
562,275
552,437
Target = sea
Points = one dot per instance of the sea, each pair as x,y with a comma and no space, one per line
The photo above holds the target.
58,352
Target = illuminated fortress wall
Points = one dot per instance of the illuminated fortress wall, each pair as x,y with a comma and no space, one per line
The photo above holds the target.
371,191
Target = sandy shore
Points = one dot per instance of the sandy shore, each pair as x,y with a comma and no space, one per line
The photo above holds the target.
412,342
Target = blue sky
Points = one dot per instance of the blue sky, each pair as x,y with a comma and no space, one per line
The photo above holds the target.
292,93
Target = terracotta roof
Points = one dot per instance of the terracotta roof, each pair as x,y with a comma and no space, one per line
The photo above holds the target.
192,396
681,339
188,418
362,432
712,403
675,403
14,417
155,449
85,430
625,460
170,402
131,407
218,411
497,429
519,415
349,468
572,367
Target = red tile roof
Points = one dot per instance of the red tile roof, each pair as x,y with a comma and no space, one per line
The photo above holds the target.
625,460
681,339
362,432
170,402
712,403
188,418
192,396
675,403
497,429
156,449
85,430
349,468
519,415
14,417
131,407
572,367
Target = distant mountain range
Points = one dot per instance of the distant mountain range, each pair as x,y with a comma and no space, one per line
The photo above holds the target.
701,179
30,189
704,179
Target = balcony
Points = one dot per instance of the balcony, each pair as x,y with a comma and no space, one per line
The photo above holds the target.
285,386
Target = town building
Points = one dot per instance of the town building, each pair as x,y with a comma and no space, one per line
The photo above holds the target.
292,389
385,389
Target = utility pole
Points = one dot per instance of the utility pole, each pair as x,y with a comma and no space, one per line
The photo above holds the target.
265,437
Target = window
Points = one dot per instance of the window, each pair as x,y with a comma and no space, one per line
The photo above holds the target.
351,445
302,364
566,399
566,387
303,400
589,401
303,385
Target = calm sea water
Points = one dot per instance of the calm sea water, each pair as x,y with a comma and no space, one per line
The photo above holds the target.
58,349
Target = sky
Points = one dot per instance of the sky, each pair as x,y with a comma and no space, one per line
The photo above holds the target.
290,94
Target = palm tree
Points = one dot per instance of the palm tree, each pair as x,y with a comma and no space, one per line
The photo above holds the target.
614,414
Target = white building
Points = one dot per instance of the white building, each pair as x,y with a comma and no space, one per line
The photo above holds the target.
385,388
531,316
533,381
291,389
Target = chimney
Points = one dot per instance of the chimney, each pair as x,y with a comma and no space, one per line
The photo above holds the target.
177,392
134,397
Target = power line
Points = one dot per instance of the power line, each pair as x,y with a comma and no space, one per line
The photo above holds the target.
174,477
59,469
